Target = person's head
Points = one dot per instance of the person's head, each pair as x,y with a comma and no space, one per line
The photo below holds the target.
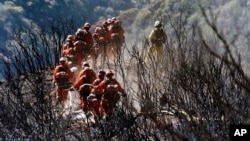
87,71
109,74
109,21
85,64
62,61
114,18
87,26
98,30
79,35
157,24
101,74
105,24
70,38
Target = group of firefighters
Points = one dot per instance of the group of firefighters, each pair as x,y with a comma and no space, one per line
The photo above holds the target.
99,91
107,40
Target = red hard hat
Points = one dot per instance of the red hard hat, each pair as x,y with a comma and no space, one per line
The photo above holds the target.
109,73
70,38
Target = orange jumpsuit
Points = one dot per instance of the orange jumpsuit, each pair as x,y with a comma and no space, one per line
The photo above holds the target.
66,47
84,90
110,86
77,53
102,35
62,73
95,104
92,75
88,38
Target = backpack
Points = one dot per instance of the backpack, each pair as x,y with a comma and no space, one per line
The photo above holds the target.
85,89
115,29
112,94
63,81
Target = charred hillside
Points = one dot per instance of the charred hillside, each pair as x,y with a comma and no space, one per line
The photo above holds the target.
198,91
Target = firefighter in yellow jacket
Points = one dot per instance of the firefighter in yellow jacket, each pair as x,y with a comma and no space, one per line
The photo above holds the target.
157,38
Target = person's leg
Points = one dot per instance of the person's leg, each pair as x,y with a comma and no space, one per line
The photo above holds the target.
149,54
159,52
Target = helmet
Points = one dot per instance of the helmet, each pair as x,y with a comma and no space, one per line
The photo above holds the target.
85,64
79,30
62,59
98,30
109,21
77,43
79,33
109,73
70,38
105,23
101,73
87,25
157,24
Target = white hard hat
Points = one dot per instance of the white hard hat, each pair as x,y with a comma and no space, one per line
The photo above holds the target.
157,23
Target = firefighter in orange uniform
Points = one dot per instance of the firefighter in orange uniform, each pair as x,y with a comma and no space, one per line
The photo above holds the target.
63,78
97,94
83,84
92,72
111,88
68,45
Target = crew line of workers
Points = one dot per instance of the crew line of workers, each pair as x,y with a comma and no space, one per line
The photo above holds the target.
100,92
107,40
100,87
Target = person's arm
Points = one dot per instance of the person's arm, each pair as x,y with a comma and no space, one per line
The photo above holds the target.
119,87
90,39
102,85
81,73
70,75
78,83
54,73
152,36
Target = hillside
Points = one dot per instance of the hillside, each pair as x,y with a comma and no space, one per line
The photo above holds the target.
137,16
198,90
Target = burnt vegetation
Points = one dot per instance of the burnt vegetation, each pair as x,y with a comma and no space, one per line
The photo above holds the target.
198,91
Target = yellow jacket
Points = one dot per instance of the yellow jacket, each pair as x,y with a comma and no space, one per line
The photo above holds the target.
157,36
